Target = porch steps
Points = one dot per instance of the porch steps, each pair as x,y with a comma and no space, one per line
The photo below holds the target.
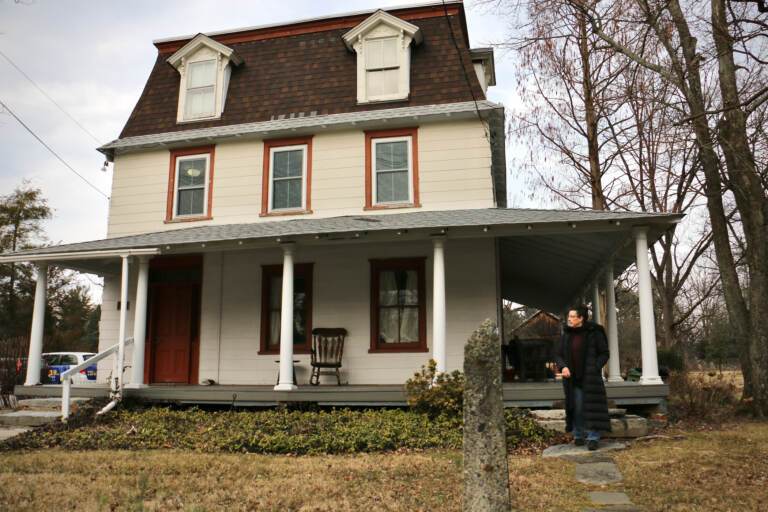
32,413
623,425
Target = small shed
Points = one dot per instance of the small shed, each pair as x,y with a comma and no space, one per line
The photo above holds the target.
539,325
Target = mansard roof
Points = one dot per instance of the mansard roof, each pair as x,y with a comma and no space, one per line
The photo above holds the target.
305,67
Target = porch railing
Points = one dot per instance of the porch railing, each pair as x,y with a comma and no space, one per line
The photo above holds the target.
116,380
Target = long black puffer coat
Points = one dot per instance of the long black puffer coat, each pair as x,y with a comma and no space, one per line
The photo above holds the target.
595,355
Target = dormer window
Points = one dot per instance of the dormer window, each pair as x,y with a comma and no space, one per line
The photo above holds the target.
201,90
381,67
204,66
383,46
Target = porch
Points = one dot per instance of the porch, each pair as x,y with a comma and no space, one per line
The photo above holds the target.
526,394
468,262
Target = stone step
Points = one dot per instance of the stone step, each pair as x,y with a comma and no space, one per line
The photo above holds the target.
50,403
559,414
29,418
626,426
9,432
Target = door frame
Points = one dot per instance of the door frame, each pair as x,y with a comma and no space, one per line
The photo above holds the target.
165,263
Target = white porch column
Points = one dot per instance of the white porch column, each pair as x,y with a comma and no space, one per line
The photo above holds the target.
647,325
286,324
140,324
596,302
438,305
117,377
614,367
34,357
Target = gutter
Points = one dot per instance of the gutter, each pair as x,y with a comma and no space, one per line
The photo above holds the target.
298,125
29,256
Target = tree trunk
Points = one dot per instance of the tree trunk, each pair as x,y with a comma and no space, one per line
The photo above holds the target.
752,204
598,199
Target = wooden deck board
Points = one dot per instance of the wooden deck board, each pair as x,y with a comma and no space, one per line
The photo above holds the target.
529,394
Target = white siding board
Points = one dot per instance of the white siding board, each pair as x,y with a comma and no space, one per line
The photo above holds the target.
454,172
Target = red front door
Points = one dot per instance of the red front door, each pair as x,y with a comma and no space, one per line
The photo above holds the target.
173,331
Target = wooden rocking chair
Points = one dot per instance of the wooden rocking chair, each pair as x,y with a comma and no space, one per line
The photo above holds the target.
327,349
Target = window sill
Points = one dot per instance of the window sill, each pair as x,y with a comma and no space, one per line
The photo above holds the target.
186,219
397,350
392,206
288,212
296,350
407,97
198,119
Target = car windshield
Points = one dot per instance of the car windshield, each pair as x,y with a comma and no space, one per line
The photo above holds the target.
87,356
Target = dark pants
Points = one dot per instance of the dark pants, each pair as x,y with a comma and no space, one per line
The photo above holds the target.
578,417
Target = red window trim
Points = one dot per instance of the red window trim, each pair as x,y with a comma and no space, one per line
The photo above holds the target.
175,153
267,271
370,135
265,184
417,264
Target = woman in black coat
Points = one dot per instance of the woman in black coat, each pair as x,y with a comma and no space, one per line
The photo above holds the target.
581,355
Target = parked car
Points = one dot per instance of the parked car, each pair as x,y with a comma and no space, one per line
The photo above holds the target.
59,362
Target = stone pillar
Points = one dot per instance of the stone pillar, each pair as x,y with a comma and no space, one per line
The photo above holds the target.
117,377
439,353
34,358
647,324
485,473
286,323
140,324
614,368
596,303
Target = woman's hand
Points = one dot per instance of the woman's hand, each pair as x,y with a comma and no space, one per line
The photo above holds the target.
566,373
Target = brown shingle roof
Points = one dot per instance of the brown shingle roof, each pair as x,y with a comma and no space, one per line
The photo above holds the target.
314,72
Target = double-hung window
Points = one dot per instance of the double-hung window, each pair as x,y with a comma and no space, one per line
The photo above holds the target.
201,89
189,196
398,305
272,287
287,174
391,169
381,68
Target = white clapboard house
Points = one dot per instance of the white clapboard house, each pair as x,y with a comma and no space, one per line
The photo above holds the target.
337,172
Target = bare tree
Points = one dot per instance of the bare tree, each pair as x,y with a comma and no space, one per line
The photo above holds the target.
721,134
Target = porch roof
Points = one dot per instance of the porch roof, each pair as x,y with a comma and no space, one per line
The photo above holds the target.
547,257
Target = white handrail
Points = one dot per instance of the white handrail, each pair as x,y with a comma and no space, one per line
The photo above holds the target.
66,379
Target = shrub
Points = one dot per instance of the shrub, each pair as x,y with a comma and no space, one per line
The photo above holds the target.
700,395
435,393
266,431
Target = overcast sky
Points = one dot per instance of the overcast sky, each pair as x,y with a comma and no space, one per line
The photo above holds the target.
93,58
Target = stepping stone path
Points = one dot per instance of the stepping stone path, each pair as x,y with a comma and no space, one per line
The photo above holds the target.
596,468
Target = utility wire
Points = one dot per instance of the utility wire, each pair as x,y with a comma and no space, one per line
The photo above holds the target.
41,141
463,69
49,97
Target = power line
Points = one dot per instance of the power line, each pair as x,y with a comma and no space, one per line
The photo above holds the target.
49,97
41,141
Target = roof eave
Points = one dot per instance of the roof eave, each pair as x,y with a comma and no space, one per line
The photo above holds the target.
300,125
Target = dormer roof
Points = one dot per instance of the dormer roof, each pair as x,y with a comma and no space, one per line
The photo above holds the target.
378,18
200,41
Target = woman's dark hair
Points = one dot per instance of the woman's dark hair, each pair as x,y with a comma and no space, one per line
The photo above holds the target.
581,311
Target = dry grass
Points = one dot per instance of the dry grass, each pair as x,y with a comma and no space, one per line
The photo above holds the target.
176,480
706,470
734,377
